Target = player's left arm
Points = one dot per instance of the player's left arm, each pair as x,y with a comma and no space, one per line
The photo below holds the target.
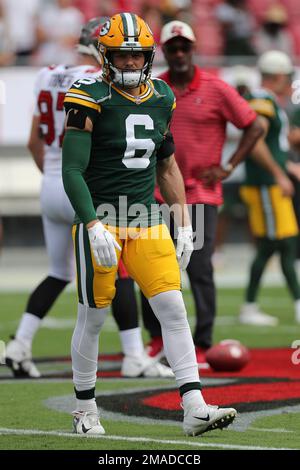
248,140
171,185
36,143
294,133
262,155
236,110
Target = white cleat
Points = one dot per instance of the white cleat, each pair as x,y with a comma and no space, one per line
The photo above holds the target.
18,358
251,315
159,370
87,423
144,366
198,420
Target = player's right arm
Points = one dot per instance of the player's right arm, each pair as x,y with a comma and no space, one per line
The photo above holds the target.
81,114
262,155
36,143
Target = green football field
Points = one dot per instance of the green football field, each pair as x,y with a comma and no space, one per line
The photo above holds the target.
36,414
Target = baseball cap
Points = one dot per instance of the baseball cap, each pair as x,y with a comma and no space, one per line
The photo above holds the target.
274,62
175,29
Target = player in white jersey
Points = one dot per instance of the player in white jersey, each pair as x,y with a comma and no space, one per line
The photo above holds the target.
57,213
45,145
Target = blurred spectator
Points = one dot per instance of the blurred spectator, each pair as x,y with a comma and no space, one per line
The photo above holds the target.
294,135
6,47
94,8
21,20
294,140
273,33
89,8
58,30
238,25
176,10
111,7
241,79
152,16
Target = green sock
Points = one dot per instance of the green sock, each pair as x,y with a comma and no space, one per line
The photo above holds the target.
288,253
265,249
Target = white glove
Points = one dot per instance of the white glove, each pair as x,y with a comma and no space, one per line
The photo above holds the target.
185,246
103,245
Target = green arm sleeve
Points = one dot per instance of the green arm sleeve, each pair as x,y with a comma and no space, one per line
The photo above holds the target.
75,159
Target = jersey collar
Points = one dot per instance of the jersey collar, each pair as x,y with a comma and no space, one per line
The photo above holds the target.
146,93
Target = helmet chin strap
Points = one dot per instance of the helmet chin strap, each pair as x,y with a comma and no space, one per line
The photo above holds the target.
128,78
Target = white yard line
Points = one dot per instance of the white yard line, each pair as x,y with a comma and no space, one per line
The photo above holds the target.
279,430
36,432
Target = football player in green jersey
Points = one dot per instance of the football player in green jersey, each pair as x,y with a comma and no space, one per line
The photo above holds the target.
268,195
115,147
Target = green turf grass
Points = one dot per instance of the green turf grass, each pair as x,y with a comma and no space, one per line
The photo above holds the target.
22,403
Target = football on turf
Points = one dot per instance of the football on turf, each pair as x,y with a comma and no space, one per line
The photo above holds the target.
228,356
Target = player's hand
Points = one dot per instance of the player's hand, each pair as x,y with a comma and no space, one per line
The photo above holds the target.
212,175
185,246
103,245
286,185
294,169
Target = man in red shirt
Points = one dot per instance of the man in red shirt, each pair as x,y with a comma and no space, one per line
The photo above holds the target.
204,105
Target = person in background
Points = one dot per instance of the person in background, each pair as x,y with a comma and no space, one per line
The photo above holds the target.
238,25
204,106
21,27
273,34
241,78
59,26
268,196
294,139
7,53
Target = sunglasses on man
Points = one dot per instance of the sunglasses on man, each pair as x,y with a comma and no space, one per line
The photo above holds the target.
173,49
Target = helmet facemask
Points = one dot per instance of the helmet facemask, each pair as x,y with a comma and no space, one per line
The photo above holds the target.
128,78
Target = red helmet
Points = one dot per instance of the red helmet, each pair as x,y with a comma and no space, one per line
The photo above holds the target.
88,41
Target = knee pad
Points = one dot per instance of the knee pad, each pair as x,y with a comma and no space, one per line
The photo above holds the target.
169,307
91,319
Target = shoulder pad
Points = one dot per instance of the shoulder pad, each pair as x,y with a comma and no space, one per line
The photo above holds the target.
263,104
164,90
82,92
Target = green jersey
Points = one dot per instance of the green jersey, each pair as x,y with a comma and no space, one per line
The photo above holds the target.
295,118
265,104
127,132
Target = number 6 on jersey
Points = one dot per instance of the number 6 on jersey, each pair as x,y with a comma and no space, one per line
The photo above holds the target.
133,144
